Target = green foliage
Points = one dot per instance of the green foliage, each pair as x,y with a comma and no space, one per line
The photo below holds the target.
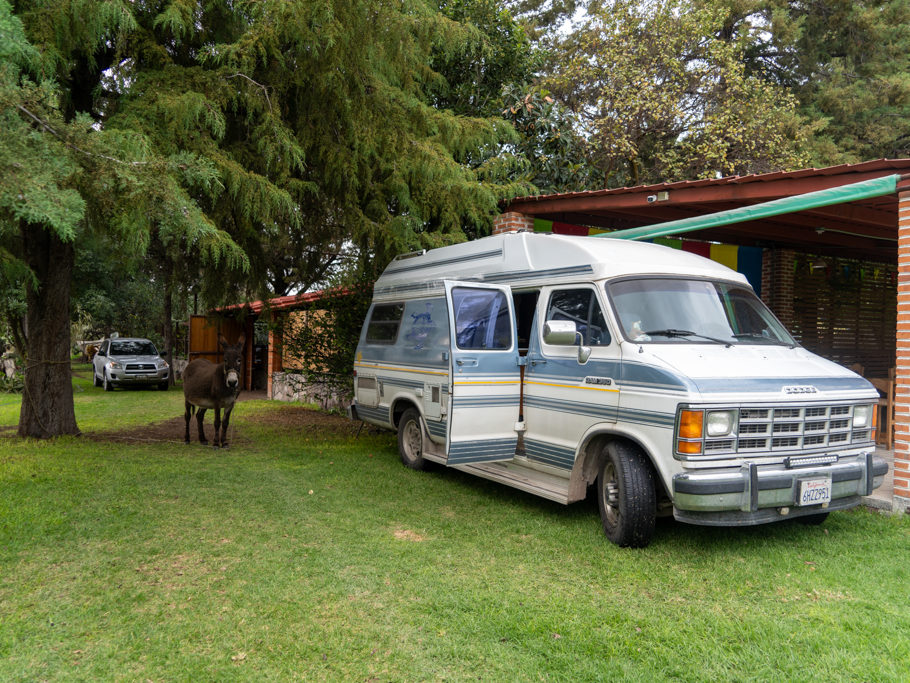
661,93
326,343
13,384
554,151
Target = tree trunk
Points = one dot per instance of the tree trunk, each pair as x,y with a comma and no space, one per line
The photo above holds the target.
47,402
168,321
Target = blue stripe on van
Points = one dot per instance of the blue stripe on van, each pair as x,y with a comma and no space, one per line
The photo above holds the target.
550,454
647,417
481,451
599,411
485,401
494,253
437,429
378,415
538,274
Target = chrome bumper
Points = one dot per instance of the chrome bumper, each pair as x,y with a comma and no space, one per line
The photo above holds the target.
753,495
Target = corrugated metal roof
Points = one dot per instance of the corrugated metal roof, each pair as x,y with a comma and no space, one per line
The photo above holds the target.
842,169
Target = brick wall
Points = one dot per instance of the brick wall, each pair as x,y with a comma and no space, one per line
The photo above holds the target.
902,397
507,222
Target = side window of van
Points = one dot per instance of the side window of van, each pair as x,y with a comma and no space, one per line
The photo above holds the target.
482,319
581,307
384,323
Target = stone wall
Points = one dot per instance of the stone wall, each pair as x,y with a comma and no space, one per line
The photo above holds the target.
291,387
9,366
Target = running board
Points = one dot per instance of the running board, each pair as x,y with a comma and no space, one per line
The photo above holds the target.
539,483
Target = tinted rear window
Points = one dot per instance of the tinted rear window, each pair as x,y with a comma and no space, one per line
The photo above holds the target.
384,323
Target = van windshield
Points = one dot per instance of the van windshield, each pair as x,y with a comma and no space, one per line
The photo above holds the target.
673,310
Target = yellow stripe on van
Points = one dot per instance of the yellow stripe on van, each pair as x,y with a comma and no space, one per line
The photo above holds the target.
487,382
400,369
574,386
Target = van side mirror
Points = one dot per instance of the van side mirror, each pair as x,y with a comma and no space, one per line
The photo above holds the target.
559,332
563,333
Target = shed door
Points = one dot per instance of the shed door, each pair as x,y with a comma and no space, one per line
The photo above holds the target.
485,375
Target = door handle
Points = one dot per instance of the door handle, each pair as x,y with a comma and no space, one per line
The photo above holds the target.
466,362
536,360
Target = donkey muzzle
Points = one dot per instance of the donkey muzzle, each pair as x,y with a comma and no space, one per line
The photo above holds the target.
232,379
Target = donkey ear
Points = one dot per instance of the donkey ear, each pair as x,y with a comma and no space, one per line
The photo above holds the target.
221,340
241,340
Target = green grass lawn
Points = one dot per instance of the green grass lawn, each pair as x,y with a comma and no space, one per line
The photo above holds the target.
311,553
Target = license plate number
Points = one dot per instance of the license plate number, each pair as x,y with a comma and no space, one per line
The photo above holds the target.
814,491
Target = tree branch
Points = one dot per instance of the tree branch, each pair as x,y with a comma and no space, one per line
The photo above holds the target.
44,124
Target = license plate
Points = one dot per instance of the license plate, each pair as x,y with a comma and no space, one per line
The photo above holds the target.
814,491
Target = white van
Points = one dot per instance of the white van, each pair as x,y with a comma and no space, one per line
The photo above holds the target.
553,363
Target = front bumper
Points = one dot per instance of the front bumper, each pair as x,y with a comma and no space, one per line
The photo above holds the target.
754,495
123,378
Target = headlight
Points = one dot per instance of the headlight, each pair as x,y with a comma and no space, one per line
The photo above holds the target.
721,422
114,365
861,416
161,364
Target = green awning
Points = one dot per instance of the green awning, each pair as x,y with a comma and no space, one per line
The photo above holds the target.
811,200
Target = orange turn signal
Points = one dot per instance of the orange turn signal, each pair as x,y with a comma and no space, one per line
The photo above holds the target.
688,447
691,425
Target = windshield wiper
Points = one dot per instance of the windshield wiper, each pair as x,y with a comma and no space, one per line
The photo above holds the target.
687,333
763,338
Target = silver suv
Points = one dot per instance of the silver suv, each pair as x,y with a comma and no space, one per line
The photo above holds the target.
124,361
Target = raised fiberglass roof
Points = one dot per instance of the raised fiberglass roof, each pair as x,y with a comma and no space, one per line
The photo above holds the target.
525,259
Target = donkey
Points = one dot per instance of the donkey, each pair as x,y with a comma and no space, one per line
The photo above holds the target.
206,385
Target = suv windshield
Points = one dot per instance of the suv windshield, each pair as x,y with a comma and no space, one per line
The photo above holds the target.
670,310
133,348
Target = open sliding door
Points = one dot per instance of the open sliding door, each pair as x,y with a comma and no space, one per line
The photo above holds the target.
486,384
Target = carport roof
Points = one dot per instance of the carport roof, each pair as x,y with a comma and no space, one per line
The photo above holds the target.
862,229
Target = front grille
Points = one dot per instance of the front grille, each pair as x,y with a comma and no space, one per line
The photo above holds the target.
139,368
787,428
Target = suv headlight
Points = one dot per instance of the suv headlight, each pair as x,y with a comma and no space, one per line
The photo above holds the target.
114,365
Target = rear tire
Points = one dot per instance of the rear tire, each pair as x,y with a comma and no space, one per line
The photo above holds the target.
410,440
626,497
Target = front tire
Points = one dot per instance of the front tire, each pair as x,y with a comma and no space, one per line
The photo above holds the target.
163,386
108,385
410,440
626,496
95,381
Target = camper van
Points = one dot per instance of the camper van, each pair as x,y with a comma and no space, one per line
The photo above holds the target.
553,364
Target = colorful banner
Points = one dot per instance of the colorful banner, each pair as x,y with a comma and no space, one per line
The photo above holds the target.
745,260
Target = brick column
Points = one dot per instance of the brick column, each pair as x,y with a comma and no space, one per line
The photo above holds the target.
276,341
511,221
902,393
777,283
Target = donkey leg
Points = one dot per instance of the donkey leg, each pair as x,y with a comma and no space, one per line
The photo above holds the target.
200,414
219,437
187,414
224,425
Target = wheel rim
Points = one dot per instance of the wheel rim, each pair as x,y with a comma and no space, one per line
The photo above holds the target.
412,440
610,494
